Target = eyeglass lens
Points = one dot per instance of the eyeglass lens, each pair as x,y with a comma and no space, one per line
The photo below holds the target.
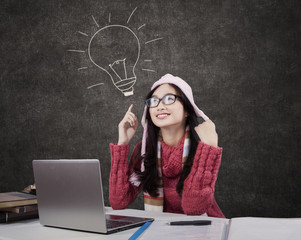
166,100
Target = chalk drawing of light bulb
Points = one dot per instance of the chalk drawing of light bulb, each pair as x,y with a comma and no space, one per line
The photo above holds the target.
115,49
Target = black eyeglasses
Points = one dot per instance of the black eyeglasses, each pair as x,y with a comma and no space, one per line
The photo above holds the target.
166,100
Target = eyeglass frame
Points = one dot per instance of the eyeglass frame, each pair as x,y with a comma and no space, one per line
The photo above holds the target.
160,99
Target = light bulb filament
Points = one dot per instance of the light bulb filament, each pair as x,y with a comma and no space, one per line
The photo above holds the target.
119,68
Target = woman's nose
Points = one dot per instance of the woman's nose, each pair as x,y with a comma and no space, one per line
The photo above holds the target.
161,106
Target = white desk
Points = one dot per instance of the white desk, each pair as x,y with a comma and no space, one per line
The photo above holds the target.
32,229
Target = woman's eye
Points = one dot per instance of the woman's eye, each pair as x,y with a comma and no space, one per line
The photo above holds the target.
169,99
154,101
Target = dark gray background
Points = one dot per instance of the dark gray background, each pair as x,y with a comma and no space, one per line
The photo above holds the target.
240,57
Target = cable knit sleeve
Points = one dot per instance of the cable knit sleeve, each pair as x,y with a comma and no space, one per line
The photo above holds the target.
198,191
122,192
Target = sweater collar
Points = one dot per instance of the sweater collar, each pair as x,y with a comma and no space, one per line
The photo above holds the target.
172,158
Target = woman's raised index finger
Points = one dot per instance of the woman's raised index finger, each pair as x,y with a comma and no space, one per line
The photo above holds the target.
130,108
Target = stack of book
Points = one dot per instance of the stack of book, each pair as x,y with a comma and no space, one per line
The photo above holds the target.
16,206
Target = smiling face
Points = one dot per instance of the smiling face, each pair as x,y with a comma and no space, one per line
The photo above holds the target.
166,116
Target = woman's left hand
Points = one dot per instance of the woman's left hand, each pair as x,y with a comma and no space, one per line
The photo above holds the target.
207,133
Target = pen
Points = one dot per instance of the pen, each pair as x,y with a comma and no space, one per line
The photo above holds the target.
193,222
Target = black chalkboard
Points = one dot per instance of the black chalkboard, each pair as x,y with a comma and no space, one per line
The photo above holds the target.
241,59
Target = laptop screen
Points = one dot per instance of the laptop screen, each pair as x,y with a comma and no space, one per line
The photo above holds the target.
70,195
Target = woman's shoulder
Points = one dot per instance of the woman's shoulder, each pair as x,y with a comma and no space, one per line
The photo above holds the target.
137,147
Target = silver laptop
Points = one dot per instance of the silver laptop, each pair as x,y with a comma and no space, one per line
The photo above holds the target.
70,195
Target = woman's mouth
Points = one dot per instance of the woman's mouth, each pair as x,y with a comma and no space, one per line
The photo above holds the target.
162,115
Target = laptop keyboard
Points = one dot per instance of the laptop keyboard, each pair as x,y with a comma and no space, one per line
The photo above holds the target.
115,224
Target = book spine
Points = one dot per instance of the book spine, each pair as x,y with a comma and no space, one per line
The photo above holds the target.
6,217
20,209
18,203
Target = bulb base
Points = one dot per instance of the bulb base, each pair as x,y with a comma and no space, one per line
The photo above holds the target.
129,93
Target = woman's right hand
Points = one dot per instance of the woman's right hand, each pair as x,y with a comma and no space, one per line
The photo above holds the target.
127,127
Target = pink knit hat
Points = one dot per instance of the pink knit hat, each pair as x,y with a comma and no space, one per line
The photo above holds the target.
186,89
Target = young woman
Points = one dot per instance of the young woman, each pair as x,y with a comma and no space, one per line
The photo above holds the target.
176,164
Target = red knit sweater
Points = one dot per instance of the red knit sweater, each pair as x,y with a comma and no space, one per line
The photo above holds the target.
198,190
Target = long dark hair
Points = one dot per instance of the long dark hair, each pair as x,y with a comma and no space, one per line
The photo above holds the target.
149,178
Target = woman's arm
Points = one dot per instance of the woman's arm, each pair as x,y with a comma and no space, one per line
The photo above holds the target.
122,192
199,186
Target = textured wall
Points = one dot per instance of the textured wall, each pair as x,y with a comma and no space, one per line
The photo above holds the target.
242,59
